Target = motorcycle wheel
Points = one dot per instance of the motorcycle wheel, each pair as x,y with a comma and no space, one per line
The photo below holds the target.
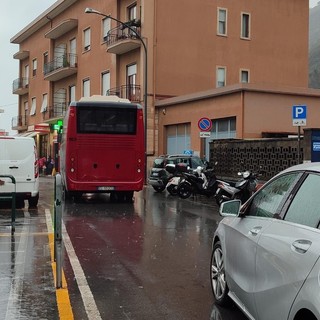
172,189
219,198
184,190
159,189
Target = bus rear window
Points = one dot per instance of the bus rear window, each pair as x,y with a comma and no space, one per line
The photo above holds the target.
103,120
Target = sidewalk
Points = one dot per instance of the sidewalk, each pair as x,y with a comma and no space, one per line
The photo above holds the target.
27,287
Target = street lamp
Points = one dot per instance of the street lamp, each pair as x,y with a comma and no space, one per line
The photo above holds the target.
126,25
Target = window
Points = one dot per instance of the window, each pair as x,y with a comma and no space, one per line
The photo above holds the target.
245,25
72,93
44,105
132,15
105,80
131,81
73,52
87,39
178,138
304,208
86,88
45,61
221,77
269,201
222,22
33,107
106,26
132,12
34,67
244,76
106,120
224,128
26,74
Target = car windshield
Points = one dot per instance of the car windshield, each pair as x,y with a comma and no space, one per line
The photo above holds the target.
158,163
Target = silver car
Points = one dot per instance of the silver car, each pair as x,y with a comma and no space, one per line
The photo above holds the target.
265,254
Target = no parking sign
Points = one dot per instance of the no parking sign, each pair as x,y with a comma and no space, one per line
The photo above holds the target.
205,124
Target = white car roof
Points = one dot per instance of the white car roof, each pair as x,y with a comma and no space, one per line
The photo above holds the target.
311,166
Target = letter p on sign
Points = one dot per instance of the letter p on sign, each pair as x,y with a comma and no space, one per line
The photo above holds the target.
299,115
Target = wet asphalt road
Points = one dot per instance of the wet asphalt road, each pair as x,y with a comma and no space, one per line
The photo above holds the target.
145,260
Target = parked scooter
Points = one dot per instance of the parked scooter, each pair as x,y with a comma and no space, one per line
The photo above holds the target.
242,189
200,181
176,177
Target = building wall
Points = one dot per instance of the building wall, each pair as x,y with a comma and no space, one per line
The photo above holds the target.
188,48
183,52
257,111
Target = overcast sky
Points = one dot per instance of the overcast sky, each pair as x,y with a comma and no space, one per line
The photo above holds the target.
14,16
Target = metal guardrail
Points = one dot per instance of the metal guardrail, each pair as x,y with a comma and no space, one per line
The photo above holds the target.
11,196
58,229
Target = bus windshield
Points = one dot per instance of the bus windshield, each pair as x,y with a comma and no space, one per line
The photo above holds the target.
111,120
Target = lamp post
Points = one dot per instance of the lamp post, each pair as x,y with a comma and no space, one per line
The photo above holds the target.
90,10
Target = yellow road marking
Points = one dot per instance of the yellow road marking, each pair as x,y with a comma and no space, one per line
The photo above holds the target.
62,294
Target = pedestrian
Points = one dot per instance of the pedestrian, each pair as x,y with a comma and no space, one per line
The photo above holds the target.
42,165
49,166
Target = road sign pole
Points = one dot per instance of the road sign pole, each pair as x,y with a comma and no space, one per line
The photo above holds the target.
299,142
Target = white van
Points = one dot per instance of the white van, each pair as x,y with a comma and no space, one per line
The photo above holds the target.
18,158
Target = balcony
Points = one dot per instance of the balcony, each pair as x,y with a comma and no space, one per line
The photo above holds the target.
57,111
20,86
61,29
61,67
21,55
19,123
121,40
131,92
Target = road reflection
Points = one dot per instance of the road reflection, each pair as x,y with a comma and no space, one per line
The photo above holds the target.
150,258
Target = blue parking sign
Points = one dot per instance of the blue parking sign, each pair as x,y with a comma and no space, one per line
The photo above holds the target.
299,115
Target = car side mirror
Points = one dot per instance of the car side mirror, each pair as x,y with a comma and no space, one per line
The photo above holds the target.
230,208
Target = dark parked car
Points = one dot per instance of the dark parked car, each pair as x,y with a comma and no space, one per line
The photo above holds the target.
159,176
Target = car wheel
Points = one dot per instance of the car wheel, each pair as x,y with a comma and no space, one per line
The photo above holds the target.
219,284
172,189
33,202
19,203
159,189
184,190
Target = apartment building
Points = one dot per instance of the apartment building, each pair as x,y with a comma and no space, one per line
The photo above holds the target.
170,49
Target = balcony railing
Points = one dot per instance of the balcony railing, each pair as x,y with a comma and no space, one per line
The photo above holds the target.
131,92
120,40
20,86
61,67
19,122
58,110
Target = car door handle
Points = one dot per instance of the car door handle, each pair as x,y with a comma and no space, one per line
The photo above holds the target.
301,246
254,231
13,167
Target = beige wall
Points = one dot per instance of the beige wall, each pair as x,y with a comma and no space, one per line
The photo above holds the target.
256,110
183,53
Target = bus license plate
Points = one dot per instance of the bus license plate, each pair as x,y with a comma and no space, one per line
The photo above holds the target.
108,188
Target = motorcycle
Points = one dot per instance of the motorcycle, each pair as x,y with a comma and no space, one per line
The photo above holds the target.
242,189
176,176
200,181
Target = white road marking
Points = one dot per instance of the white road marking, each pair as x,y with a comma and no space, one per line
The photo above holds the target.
16,288
86,294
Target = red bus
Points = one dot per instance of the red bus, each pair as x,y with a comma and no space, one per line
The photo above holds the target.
102,148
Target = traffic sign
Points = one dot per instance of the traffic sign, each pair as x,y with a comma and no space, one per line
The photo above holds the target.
299,115
205,134
205,124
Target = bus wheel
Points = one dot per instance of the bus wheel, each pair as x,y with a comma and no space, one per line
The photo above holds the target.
113,197
129,197
67,195
77,197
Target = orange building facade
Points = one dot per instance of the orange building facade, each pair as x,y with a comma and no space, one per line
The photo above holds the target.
168,51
